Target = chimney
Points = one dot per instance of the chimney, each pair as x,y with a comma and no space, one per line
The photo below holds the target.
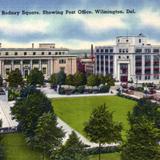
92,51
32,45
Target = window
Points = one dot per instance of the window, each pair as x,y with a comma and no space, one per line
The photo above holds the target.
6,53
127,57
44,70
34,53
59,53
25,53
97,50
119,50
118,40
49,53
35,62
7,62
127,40
62,61
42,53
119,57
126,50
16,61
101,50
106,50
140,40
138,50
15,53
156,50
111,50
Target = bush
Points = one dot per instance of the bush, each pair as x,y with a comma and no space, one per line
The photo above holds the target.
141,89
80,89
61,90
108,149
13,94
104,89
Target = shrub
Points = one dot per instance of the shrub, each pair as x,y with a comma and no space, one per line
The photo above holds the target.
61,90
104,89
80,89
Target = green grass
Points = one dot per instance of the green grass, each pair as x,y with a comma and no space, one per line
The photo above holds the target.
76,111
108,156
16,148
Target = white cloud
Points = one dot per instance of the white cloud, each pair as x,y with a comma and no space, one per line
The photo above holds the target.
23,27
150,18
100,23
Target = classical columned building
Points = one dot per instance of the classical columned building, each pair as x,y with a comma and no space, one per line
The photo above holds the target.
131,59
46,58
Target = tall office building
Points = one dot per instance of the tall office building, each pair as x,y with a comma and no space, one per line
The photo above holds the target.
131,59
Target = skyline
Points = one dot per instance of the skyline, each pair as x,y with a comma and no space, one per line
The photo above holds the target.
77,31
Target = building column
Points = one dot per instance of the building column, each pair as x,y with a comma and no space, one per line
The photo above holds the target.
104,65
143,67
2,68
52,66
31,64
108,64
49,68
12,65
152,77
21,67
40,65
99,64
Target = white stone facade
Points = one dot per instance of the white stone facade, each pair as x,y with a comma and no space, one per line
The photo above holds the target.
131,59
46,58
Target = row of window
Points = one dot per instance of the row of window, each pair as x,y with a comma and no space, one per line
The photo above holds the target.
9,62
104,50
147,50
34,53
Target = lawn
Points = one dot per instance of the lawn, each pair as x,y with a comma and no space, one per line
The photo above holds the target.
108,156
76,111
16,148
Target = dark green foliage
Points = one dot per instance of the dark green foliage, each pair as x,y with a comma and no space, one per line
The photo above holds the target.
109,80
61,77
93,80
148,109
35,77
104,89
1,81
74,149
61,90
101,129
53,79
15,78
108,149
47,135
13,94
70,80
102,79
28,90
27,111
142,141
79,79
80,89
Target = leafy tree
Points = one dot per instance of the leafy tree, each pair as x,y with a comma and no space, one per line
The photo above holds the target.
47,135
27,90
61,77
101,128
74,149
92,80
142,141
102,79
110,81
28,110
79,79
53,79
15,78
148,109
35,77
70,80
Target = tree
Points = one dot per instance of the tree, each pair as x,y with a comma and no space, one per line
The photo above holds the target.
148,109
53,79
15,78
142,141
109,79
92,80
28,110
73,149
79,79
102,79
70,80
61,77
35,77
101,129
47,135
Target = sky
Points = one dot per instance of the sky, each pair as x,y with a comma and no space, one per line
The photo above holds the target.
77,31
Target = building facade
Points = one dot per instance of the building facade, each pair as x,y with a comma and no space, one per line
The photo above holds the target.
46,58
131,59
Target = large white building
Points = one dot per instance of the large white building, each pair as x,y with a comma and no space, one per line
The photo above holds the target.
131,59
46,58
